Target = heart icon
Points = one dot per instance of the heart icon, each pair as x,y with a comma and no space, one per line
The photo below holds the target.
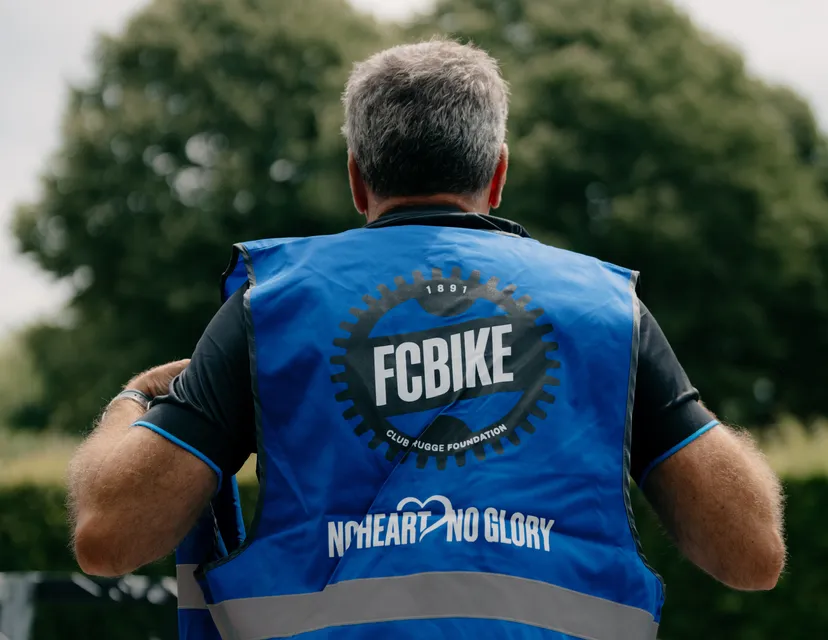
443,500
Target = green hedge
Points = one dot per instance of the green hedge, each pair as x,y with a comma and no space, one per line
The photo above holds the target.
33,536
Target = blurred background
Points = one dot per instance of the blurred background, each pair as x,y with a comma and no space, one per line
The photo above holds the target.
141,139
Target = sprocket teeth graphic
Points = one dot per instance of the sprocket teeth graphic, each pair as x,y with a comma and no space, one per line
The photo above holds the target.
357,395
527,426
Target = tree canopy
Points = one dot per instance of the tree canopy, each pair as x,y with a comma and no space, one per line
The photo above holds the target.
634,137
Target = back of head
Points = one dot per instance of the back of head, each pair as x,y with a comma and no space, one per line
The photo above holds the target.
426,118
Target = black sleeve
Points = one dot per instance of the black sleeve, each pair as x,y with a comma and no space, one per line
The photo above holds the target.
667,414
209,409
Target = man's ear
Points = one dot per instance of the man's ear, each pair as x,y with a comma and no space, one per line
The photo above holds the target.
359,189
499,179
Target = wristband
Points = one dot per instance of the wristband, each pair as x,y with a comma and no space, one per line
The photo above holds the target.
136,396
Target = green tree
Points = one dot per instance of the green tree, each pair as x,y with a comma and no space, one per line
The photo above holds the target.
639,139
209,122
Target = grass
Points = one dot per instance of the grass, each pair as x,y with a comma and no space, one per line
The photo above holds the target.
796,452
792,450
34,458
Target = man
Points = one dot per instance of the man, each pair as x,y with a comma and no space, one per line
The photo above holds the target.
446,412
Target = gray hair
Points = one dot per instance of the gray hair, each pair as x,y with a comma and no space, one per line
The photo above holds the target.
426,118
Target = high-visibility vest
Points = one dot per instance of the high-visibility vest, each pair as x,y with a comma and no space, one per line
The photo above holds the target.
218,532
443,423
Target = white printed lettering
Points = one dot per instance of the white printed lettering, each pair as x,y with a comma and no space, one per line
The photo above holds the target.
476,358
545,526
351,529
392,533
532,539
518,537
435,364
409,528
406,350
382,373
378,529
501,521
472,521
336,539
499,352
460,526
455,527
364,533
490,525
456,362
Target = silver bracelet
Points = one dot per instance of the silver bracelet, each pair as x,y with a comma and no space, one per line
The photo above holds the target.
136,396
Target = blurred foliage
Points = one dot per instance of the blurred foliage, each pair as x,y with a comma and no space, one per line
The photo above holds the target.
33,535
634,138
210,122
34,457
21,391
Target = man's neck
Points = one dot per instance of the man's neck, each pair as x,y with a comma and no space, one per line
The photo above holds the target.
465,204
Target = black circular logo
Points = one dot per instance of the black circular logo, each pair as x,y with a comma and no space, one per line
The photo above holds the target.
444,366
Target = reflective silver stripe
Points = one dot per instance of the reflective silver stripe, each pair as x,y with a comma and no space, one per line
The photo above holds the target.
434,595
190,595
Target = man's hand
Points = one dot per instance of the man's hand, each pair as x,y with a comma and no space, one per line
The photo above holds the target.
133,494
156,381
722,503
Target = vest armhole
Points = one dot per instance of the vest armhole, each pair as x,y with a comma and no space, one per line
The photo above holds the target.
636,337
240,252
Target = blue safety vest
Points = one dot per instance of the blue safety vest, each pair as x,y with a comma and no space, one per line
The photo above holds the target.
219,530
443,430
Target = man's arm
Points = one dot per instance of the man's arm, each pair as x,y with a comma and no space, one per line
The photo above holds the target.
722,503
710,486
134,494
137,491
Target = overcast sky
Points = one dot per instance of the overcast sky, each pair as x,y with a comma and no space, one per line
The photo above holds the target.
44,44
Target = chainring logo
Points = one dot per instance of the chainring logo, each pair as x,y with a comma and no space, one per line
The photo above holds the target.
444,366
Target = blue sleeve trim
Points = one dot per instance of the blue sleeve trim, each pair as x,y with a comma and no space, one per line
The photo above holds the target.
183,445
675,449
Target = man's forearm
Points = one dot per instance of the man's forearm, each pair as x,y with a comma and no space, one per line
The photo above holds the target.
722,503
93,454
133,494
